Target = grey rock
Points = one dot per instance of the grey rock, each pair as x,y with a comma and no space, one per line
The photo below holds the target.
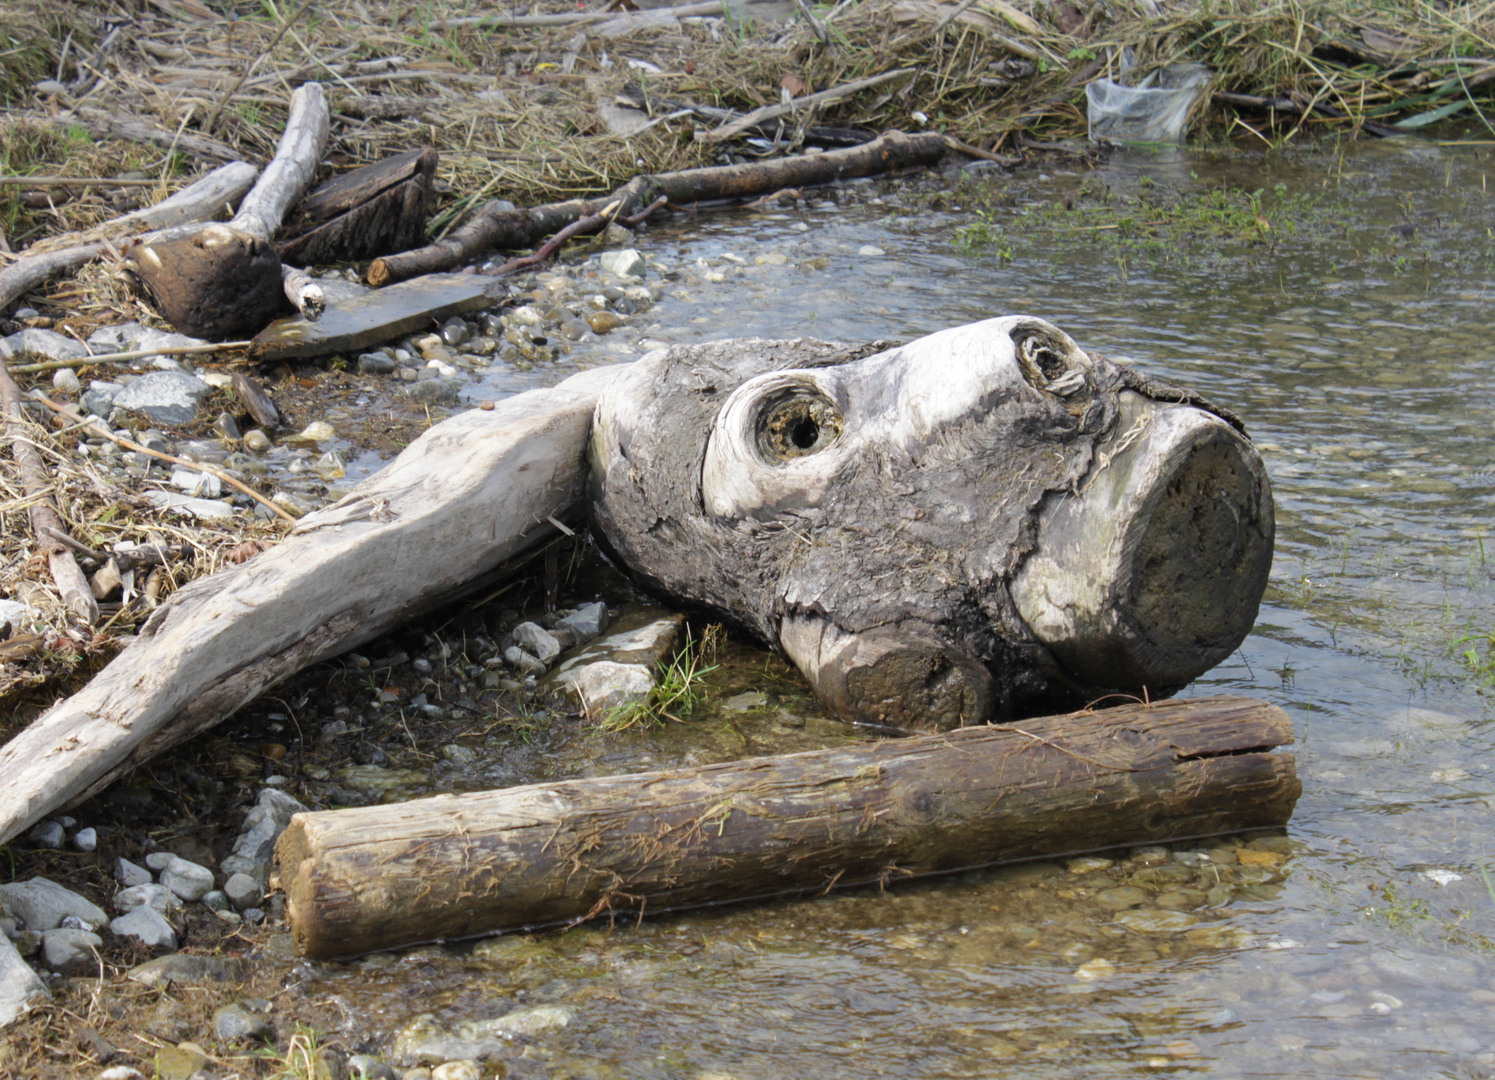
424,1042
20,988
227,427
257,441
1121,897
183,969
148,895
243,891
98,399
160,860
216,900
529,1020
234,1023
121,1072
537,641
377,363
40,346
166,397
523,662
42,905
86,839
197,484
433,391
465,1069
587,621
129,875
368,1067
71,952
625,263
187,879
254,851
618,668
66,380
49,834
16,613
146,925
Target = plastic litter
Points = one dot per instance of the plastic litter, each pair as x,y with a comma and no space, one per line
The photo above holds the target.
1155,111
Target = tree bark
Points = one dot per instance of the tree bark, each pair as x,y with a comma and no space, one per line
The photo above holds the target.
224,281
380,207
480,489
502,228
457,866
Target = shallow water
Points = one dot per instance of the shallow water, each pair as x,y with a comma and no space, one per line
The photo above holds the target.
1356,339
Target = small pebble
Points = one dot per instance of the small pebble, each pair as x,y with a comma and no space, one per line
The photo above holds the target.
86,840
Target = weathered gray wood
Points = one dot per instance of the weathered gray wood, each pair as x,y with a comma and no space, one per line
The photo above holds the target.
984,523
457,866
374,317
477,489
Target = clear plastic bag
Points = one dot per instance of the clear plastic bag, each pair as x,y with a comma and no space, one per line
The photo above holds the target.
1157,111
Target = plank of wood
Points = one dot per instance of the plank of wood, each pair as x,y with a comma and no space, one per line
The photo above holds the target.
457,866
349,325
479,489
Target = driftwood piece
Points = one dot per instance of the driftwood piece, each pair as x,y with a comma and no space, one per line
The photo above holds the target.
199,201
253,395
797,105
225,281
46,522
458,866
478,489
982,524
366,212
498,227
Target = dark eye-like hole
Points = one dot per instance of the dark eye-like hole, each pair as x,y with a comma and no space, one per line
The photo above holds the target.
794,423
1046,365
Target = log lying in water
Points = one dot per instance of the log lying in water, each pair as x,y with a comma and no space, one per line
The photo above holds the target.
462,500
458,866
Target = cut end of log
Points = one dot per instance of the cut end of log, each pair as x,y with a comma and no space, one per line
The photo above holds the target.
220,283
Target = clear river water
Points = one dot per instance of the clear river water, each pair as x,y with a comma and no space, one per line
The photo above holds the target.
1340,301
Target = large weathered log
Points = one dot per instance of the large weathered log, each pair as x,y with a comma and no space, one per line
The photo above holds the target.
464,498
982,524
225,281
497,227
457,866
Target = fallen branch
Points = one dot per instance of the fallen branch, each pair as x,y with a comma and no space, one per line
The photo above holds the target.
590,223
499,227
499,22
872,813
772,112
199,201
71,583
123,357
478,488
1288,105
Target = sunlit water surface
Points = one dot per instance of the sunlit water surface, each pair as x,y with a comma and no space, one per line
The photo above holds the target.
1358,343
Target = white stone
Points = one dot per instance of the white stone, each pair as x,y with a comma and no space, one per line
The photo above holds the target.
187,879
42,905
149,895
624,263
537,641
130,875
148,926
20,988
202,509
71,951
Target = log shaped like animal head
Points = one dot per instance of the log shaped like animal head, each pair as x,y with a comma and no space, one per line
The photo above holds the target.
981,524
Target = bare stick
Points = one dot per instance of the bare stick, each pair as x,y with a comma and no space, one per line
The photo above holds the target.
303,291
30,271
771,112
589,223
72,413
291,171
122,357
72,585
72,181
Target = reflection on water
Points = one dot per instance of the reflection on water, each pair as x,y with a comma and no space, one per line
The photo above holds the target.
1358,346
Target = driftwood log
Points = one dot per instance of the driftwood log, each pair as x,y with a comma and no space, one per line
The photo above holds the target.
462,500
498,227
982,524
226,281
457,866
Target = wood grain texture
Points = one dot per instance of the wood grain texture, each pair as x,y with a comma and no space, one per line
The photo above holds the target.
457,866
479,489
